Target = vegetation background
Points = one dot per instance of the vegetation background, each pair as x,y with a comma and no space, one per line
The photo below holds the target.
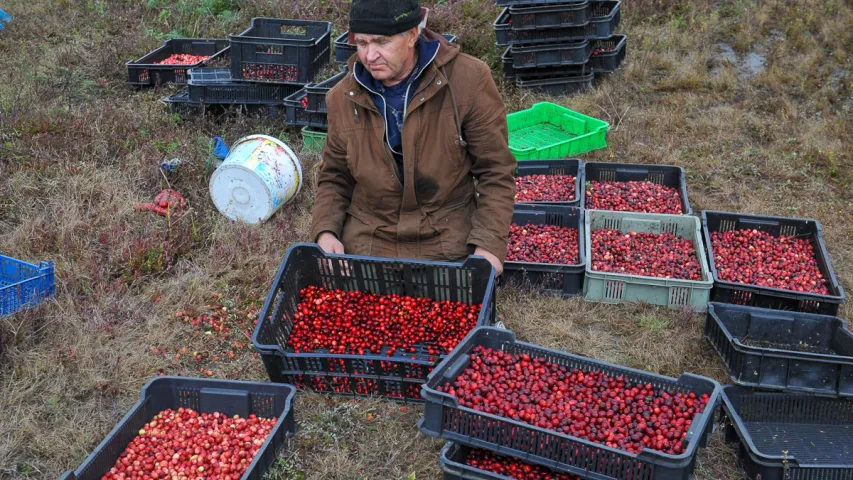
752,97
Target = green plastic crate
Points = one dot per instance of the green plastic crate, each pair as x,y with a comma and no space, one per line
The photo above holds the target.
621,288
313,139
547,131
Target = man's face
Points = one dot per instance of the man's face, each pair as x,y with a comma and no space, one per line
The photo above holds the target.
388,59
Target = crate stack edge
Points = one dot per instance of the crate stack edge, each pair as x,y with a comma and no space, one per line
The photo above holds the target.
559,47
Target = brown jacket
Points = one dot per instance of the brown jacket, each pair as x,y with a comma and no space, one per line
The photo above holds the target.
437,216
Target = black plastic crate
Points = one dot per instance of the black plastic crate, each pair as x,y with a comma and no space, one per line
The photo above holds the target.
144,71
344,50
788,436
578,72
551,54
443,417
564,166
452,462
297,113
280,50
767,297
561,84
214,85
668,175
398,377
610,60
181,104
534,17
787,351
565,280
317,92
604,19
510,3
230,397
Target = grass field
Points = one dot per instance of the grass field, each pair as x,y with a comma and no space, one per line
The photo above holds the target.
753,98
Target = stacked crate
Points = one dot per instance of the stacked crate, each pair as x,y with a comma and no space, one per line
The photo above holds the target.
270,61
557,46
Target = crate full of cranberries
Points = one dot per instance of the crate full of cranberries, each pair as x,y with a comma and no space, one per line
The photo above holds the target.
549,182
568,413
545,249
779,350
461,462
645,257
280,50
196,428
171,62
358,326
771,262
635,188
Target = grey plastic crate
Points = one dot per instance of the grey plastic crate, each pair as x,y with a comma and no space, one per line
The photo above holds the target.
621,288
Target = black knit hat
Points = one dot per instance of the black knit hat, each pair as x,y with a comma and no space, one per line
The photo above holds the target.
384,17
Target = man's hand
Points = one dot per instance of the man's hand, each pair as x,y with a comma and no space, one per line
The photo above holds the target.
491,258
330,243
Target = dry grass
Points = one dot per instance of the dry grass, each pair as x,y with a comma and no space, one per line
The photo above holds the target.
78,148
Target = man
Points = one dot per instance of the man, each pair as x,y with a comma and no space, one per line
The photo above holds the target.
416,162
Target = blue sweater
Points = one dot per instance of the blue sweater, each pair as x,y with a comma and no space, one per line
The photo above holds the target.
392,101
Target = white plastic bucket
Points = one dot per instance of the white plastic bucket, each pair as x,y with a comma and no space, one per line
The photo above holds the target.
259,175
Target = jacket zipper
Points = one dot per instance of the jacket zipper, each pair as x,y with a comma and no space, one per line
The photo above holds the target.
384,116
406,98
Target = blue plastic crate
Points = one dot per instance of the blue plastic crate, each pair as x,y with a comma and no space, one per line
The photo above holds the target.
23,285
4,19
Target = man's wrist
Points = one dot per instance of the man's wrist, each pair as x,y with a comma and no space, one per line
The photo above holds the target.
325,232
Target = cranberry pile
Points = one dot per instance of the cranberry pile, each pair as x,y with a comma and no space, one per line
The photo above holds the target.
645,197
545,188
182,59
590,405
359,322
758,258
542,244
600,50
512,467
648,254
184,444
263,71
